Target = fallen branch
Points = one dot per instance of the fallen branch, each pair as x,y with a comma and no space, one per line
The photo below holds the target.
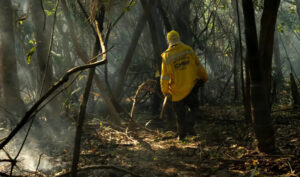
54,87
95,167
137,94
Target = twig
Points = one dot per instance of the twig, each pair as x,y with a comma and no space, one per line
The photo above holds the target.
225,86
6,160
94,167
44,14
111,26
59,92
23,143
50,48
37,167
7,154
105,44
86,15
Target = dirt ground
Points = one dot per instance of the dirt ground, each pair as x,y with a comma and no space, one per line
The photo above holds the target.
224,146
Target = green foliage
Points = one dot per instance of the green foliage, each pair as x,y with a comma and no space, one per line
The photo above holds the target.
128,8
29,54
48,13
288,16
280,27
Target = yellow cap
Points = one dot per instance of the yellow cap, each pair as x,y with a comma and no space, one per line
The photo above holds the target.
173,37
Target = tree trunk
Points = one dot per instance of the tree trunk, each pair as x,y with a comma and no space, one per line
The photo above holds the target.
9,74
278,65
1,69
182,16
81,116
126,62
294,90
298,7
42,39
237,49
259,56
235,70
247,100
163,14
147,7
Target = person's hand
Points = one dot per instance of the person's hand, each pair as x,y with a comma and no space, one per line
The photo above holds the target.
168,95
200,83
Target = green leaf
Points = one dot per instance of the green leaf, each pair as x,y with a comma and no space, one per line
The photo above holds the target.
128,8
32,41
280,28
48,13
29,54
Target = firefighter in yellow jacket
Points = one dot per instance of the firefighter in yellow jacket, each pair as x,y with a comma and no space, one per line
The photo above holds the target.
181,76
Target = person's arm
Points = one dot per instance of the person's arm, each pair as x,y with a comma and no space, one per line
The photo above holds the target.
164,79
201,70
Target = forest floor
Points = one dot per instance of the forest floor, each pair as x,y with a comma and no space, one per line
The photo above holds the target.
224,146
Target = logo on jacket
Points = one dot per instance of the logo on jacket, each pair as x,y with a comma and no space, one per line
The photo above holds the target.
181,63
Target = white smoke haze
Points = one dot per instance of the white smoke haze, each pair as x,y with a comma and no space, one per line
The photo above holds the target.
45,139
29,158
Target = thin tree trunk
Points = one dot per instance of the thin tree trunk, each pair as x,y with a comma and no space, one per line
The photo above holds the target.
247,99
294,90
126,62
182,16
167,23
298,7
245,91
147,7
42,39
238,48
81,117
278,78
235,71
9,73
1,69
277,60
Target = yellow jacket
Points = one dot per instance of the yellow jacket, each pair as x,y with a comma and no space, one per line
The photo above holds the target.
180,71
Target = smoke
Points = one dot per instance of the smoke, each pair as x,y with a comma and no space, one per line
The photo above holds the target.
35,153
30,158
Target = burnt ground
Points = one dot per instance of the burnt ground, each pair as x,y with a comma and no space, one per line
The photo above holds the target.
224,146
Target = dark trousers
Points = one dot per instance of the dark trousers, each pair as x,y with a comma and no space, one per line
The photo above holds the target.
186,110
